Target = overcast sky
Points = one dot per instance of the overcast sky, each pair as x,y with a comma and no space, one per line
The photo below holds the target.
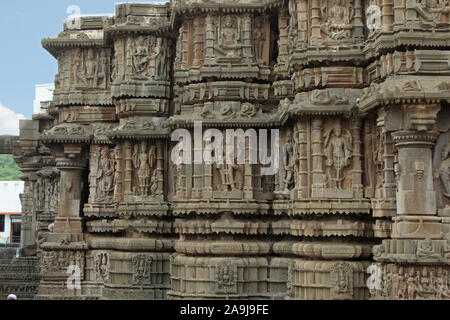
23,61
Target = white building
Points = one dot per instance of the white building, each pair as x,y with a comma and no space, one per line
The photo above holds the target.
10,211
43,95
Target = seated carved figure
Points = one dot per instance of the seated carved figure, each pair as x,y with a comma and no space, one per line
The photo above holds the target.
425,250
338,19
229,39
431,11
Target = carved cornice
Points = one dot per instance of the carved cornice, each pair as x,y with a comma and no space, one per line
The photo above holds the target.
67,133
223,248
397,90
140,129
181,7
65,163
414,139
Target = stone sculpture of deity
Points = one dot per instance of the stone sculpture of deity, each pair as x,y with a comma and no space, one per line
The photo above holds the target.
105,175
289,162
229,38
161,60
227,172
141,57
259,40
338,151
144,162
91,68
337,17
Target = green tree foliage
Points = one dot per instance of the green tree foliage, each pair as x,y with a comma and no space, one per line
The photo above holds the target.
9,171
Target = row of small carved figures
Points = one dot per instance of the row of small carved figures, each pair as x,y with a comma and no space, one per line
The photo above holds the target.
413,284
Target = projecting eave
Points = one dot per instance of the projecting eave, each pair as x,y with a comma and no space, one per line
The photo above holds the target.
56,45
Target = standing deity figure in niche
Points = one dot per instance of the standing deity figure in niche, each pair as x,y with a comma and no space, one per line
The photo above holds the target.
338,151
227,172
143,162
179,169
78,72
259,40
227,176
229,38
289,162
162,56
444,172
102,265
293,22
141,56
337,15
105,175
91,68
101,69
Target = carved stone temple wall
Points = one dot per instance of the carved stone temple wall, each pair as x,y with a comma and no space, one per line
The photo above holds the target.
359,91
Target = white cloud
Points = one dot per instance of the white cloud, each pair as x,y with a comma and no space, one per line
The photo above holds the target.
9,121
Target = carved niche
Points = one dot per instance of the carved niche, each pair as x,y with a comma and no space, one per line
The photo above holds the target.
287,177
226,278
336,19
145,172
147,58
261,40
338,151
89,68
103,174
374,144
341,281
58,262
102,265
228,177
47,190
141,268
229,43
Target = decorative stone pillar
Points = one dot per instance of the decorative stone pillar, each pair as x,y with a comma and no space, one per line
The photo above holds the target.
27,235
128,168
416,197
210,38
72,168
118,191
358,21
302,23
399,14
317,157
160,167
416,257
198,41
315,21
387,15
357,167
303,159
